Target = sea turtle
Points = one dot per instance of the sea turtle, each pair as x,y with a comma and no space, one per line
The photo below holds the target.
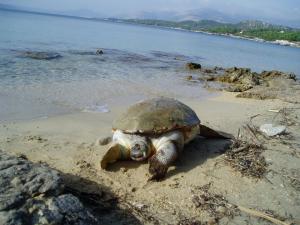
157,129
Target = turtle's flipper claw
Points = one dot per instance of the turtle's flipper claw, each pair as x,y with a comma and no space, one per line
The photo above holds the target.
111,156
157,169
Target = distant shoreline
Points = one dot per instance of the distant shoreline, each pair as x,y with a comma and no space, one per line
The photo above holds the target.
113,20
276,42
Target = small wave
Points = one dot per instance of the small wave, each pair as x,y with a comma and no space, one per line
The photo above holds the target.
97,108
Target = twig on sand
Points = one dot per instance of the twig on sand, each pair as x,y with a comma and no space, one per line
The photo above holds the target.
274,110
217,206
245,153
287,116
262,215
251,131
252,117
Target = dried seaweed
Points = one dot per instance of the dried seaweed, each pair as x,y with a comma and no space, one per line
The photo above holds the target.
218,207
293,176
247,158
287,116
215,205
142,213
189,221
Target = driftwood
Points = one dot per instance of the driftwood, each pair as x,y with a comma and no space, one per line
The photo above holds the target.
263,215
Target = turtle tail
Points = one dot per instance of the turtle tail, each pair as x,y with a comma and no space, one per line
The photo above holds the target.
210,133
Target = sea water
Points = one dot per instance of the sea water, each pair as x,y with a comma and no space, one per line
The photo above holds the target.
138,62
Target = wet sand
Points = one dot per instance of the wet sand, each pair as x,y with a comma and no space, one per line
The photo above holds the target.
68,143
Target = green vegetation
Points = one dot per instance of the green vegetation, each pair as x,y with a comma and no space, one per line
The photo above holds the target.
272,35
249,29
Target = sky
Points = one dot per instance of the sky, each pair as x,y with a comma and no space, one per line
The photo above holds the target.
278,11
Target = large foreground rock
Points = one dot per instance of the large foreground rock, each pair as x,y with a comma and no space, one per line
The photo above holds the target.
33,194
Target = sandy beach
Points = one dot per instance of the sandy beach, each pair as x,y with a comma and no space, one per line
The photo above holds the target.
68,144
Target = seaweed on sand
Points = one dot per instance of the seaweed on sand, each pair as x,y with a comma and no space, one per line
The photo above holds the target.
245,153
247,158
215,205
287,116
187,221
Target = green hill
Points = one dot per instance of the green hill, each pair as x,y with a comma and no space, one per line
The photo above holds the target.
249,28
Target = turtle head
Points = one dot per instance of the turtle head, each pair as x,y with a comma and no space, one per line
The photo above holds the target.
140,149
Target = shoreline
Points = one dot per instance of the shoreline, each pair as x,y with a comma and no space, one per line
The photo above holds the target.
276,42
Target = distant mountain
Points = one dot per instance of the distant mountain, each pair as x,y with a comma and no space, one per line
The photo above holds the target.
210,14
170,15
210,24
195,15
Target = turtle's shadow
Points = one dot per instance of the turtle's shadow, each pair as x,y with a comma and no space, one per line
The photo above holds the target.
197,152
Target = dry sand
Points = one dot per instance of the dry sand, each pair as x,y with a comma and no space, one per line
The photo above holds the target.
67,143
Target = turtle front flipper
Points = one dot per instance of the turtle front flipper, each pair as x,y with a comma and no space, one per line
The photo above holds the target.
167,149
114,153
210,133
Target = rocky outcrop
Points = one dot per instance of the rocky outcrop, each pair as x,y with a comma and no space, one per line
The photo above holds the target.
274,74
41,55
33,194
265,85
241,79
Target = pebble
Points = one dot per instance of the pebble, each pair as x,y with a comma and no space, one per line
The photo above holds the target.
271,130
104,140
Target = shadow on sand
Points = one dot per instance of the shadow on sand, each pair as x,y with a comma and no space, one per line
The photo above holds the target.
197,152
99,200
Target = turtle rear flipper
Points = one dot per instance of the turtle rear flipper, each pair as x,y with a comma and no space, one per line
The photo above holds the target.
210,133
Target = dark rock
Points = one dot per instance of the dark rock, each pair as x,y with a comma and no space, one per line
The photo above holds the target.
41,55
33,194
193,66
99,52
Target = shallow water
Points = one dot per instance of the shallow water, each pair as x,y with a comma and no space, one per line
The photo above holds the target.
138,62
